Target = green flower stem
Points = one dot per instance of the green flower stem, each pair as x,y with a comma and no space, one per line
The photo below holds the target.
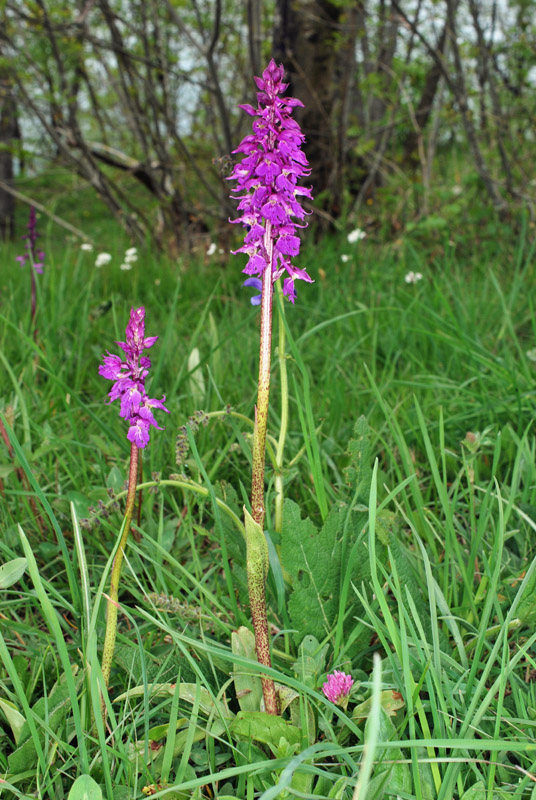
193,487
271,444
257,548
278,474
263,390
113,605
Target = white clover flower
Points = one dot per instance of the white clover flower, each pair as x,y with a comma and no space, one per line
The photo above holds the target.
413,277
126,265
211,249
132,251
355,236
345,257
102,259
86,246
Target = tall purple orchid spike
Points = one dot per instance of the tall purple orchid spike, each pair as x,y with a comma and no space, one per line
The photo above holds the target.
129,374
267,183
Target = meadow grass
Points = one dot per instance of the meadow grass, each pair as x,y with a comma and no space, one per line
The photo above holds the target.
441,373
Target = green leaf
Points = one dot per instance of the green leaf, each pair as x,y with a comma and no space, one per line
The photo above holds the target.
51,714
256,553
312,560
396,777
11,571
390,701
187,692
236,544
248,687
311,661
476,792
526,610
409,583
85,788
259,726
161,731
358,473
14,717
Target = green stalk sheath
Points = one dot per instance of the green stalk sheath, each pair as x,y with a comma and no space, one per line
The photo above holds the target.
113,605
263,392
257,549
278,477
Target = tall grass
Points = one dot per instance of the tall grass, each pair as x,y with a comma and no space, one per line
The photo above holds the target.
440,371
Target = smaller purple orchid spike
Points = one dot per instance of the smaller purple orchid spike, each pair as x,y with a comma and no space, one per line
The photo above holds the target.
129,375
37,256
337,687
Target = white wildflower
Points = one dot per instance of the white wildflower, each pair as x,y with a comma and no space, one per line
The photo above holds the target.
86,246
102,259
126,265
355,236
413,277
345,257
211,249
131,255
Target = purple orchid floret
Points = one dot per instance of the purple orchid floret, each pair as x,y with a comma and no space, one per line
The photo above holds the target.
129,374
337,687
37,256
256,283
267,183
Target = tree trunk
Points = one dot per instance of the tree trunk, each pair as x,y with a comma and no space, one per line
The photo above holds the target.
305,40
9,132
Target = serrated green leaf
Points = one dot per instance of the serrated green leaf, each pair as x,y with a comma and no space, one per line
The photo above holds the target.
312,560
12,571
259,726
85,788
408,580
358,473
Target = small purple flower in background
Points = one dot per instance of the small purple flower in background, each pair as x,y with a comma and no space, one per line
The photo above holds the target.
129,375
37,257
256,283
337,687
267,183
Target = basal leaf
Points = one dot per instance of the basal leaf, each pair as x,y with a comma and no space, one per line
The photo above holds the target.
248,687
85,788
11,571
